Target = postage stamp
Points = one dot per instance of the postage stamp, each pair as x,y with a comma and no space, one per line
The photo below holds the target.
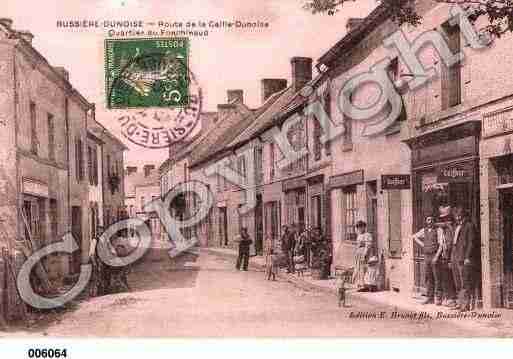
147,72
150,81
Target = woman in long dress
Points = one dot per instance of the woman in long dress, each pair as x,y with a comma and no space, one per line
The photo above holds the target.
364,245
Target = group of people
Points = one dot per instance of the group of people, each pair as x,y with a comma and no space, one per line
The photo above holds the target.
308,248
451,252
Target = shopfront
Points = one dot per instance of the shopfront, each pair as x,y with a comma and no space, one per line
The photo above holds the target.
497,214
445,172
295,201
316,201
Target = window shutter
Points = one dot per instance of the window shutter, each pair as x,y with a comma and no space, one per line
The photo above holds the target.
394,220
466,76
90,164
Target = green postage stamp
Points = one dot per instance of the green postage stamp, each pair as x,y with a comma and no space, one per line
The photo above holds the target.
142,73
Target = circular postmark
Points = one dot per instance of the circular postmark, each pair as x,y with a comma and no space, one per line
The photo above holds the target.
160,98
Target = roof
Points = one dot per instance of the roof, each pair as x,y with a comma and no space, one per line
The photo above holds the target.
99,131
285,103
138,180
228,128
26,46
369,23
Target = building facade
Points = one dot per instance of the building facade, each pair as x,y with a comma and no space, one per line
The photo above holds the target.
451,141
44,176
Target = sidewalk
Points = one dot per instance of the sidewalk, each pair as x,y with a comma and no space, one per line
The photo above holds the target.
401,302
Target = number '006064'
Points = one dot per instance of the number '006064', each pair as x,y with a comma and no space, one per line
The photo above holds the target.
47,353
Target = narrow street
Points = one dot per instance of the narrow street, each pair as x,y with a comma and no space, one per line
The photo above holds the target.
205,296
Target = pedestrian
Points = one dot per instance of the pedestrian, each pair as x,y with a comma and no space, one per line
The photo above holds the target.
272,265
285,243
288,246
446,223
464,259
308,247
244,243
430,238
363,247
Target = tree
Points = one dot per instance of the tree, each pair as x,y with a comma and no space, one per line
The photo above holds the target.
498,12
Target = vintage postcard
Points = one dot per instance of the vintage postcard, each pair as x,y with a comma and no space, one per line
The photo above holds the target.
228,169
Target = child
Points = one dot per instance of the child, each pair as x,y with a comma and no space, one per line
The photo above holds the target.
272,265
341,289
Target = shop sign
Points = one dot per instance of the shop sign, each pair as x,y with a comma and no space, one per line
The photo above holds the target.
347,179
389,182
35,188
455,173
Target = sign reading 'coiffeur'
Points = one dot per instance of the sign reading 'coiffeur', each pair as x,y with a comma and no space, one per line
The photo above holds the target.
395,182
455,173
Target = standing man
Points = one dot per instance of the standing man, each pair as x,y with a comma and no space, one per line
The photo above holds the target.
464,258
287,247
446,223
430,238
244,243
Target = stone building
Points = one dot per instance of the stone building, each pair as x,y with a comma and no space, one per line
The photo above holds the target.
44,172
292,194
451,141
105,193
142,188
176,170
223,222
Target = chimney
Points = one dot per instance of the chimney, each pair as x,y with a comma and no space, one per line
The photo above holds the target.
224,109
62,71
26,35
301,71
235,95
352,23
7,22
130,170
147,169
271,86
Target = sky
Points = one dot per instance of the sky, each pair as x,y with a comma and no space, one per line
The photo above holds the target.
226,59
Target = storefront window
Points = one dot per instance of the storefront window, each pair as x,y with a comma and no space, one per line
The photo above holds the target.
350,212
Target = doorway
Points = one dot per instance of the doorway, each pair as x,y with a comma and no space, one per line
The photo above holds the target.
76,231
223,227
506,208
259,226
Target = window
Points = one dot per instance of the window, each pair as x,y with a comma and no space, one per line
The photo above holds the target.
90,164
393,69
108,165
350,212
241,167
34,143
451,76
54,220
218,177
95,166
51,138
259,168
272,160
317,146
327,108
348,126
79,160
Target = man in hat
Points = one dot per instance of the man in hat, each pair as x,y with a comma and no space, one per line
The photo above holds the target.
465,258
447,282
430,238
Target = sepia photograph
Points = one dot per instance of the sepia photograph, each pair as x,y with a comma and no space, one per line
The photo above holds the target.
223,169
